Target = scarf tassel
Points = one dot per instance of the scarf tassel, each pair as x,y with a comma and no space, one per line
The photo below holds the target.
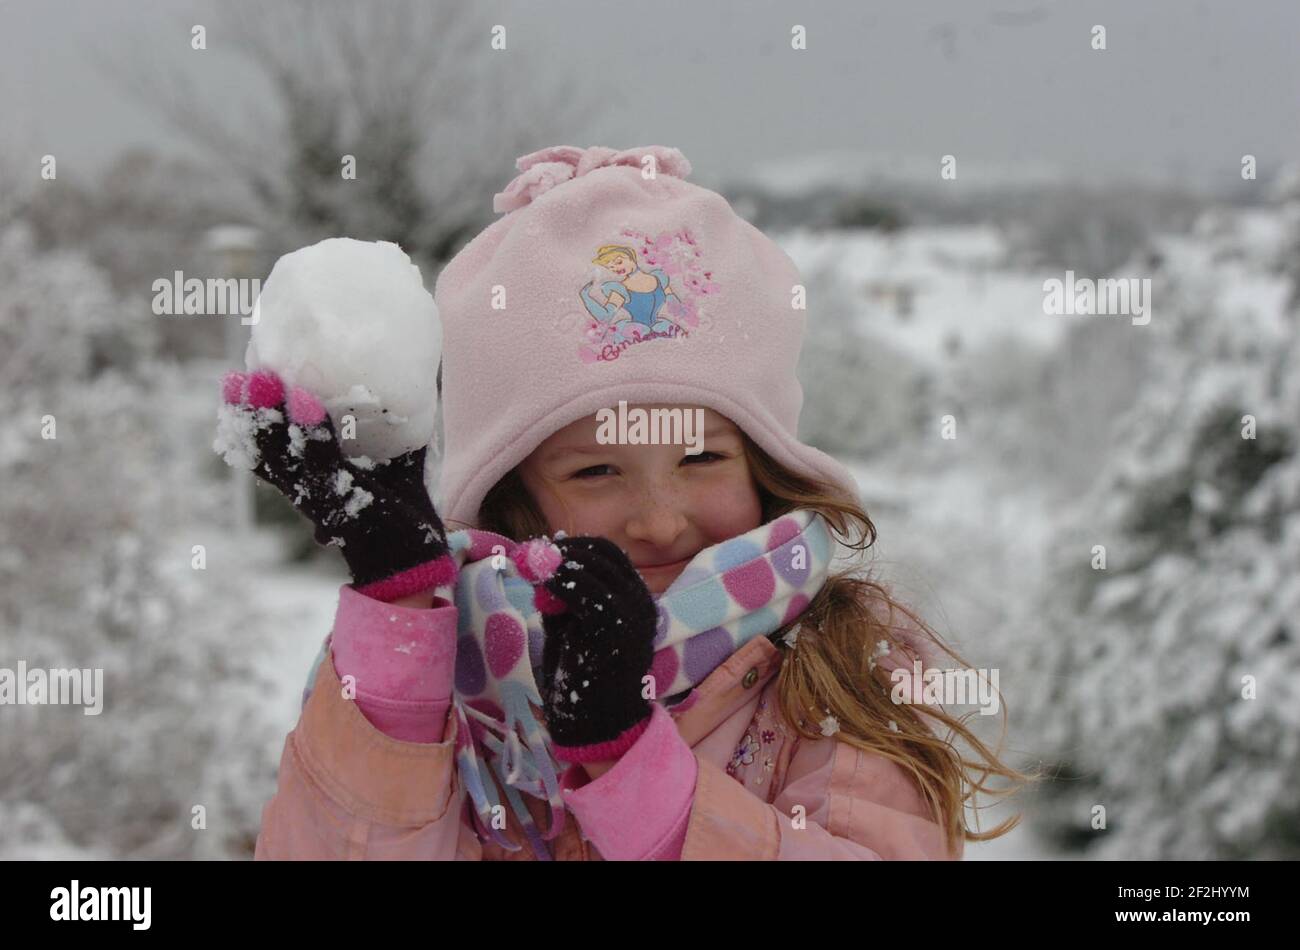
518,765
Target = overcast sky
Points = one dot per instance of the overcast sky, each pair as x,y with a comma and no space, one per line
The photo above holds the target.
1185,88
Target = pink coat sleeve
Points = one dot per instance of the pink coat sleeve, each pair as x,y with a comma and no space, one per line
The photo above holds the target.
345,789
402,661
638,810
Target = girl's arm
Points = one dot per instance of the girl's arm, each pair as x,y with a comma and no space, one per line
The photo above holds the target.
368,771
659,800
401,659
636,808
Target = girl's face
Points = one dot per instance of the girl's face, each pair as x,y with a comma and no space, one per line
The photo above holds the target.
655,502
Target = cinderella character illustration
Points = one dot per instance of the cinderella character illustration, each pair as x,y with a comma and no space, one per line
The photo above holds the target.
635,299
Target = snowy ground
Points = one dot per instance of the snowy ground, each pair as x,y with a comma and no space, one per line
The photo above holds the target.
296,605
931,290
290,608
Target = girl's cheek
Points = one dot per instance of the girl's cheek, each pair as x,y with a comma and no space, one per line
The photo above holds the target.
596,512
735,504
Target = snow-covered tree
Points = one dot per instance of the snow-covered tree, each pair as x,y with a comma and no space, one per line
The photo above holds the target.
1166,684
430,113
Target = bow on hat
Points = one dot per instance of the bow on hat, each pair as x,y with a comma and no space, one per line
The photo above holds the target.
542,170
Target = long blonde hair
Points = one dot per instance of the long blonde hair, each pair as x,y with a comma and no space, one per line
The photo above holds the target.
831,670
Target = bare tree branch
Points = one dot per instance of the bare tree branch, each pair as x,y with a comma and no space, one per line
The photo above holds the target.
414,90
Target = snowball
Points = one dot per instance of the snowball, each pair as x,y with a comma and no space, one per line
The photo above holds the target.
352,322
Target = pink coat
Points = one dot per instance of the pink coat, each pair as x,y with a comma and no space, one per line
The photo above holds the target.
718,777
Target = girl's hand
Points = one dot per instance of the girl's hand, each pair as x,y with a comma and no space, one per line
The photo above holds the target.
600,621
379,514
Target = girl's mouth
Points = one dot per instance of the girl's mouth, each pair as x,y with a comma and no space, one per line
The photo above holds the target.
664,567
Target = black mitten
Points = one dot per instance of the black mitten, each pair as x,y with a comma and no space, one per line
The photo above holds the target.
380,515
600,621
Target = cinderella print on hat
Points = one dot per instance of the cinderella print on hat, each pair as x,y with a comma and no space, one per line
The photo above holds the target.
643,289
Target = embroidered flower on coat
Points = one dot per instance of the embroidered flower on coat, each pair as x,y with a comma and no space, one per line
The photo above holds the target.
769,736
744,754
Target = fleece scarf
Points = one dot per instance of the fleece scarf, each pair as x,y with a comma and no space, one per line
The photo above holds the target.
746,587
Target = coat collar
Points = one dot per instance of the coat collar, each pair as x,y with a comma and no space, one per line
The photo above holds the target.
741,677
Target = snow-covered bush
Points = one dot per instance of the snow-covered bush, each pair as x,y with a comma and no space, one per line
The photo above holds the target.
1092,233
861,394
1049,415
1167,685
83,521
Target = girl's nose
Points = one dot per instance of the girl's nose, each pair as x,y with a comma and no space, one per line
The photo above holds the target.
657,523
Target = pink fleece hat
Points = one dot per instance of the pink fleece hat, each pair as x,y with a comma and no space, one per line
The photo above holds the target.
612,278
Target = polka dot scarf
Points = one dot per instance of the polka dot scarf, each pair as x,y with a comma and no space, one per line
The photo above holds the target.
745,587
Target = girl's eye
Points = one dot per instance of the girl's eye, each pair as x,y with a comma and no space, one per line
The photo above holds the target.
594,471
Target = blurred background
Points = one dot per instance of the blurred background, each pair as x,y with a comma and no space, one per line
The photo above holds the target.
1169,155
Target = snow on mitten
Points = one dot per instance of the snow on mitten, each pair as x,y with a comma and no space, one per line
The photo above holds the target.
600,621
378,513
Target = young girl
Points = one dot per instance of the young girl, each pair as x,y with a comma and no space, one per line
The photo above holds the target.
629,650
